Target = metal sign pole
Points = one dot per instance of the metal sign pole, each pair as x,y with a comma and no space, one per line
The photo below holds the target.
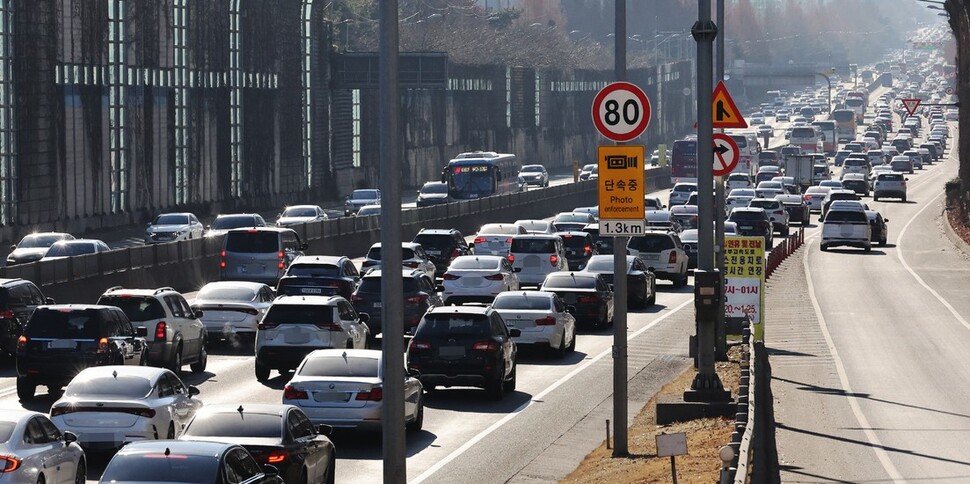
392,292
719,214
620,439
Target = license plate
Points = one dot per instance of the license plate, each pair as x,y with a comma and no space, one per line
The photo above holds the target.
451,351
62,344
570,298
433,252
746,227
331,396
311,290
377,305
652,257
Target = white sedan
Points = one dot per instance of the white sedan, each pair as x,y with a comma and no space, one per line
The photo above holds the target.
232,309
109,406
541,317
35,450
738,198
478,278
344,388
814,196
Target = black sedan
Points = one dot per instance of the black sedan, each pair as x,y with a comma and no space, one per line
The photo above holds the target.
878,224
588,292
279,435
318,275
176,461
752,222
579,248
797,208
641,284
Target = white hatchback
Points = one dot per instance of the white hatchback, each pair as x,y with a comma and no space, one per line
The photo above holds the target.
543,319
477,278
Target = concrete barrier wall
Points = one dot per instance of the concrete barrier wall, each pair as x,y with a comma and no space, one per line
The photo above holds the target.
188,265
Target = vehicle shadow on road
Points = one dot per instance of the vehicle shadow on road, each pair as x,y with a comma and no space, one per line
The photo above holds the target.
230,348
190,378
857,251
672,289
473,400
542,356
367,445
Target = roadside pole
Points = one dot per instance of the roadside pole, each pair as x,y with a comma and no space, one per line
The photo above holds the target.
392,411
620,439
721,328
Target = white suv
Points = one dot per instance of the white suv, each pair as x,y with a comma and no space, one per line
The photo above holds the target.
776,213
296,325
891,184
533,257
662,252
680,193
847,224
175,334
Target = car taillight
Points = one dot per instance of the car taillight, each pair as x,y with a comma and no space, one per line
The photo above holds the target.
291,393
673,258
511,258
329,326
55,411
553,260
449,277
281,264
10,464
265,325
420,298
587,250
807,198
103,345
495,277
546,321
375,394
508,240
160,331
222,263
355,298
22,343
589,299
411,264
485,346
8,314
276,457
479,240
419,345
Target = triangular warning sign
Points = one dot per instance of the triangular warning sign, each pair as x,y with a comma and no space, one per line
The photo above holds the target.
911,104
726,113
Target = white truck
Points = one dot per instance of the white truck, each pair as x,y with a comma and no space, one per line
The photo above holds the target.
799,167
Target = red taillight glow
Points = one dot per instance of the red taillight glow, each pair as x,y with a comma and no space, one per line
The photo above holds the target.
280,255
411,264
479,240
22,343
103,345
10,464
375,394
495,277
8,314
587,250
546,321
553,259
138,411
276,458
222,263
589,299
511,258
419,345
485,346
413,300
290,393
673,258
329,326
160,330
449,277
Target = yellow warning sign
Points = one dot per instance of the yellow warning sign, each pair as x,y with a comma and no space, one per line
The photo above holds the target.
621,182
726,113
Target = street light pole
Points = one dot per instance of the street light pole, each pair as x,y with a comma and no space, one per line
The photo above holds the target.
721,329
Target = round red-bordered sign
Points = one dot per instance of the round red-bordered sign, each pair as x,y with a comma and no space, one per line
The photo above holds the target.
621,111
726,154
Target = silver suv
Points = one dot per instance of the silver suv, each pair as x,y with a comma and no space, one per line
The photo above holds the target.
776,213
175,334
533,257
889,185
663,254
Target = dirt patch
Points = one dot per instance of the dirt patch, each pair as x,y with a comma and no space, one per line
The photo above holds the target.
704,438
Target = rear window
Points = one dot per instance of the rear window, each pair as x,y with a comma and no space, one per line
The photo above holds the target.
125,386
454,325
373,284
299,314
569,281
313,270
375,253
233,222
64,323
856,162
685,188
652,243
522,301
803,133
340,366
575,241
890,177
740,216
572,217
475,263
435,242
498,229
843,196
533,246
252,242
740,139
236,424
225,293
766,204
137,308
157,467
846,216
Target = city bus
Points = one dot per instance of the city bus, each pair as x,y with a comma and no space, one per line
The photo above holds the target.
845,124
479,174
683,161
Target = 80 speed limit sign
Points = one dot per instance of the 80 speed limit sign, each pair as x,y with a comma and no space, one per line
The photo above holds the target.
621,111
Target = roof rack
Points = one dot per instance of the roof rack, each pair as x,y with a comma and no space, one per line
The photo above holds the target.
114,288
162,289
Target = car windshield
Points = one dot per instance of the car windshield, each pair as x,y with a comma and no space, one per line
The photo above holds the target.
137,308
109,386
313,270
476,263
299,314
364,195
69,248
340,366
252,242
226,293
226,222
533,246
300,212
574,241
171,220
569,281
763,204
685,188
158,467
236,424
477,325
522,301
36,241
429,188
63,324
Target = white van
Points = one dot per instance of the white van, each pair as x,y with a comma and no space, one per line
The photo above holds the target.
856,165
534,256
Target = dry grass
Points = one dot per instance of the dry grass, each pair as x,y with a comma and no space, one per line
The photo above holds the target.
704,438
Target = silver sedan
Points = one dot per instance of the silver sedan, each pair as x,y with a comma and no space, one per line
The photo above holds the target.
34,450
544,320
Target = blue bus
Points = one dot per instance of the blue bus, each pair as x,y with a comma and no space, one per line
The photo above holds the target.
480,174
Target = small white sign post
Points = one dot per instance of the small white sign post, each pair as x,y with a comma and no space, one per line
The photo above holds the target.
672,445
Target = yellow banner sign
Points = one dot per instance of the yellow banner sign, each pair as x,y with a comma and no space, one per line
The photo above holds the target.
744,280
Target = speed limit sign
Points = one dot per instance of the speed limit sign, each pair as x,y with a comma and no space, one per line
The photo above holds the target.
621,111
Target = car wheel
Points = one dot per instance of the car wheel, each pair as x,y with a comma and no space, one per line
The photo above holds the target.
904,199
418,422
262,371
868,248
784,232
681,281
496,388
875,198
509,386
823,247
199,366
653,294
26,389
81,474
176,364
563,350
572,344
41,479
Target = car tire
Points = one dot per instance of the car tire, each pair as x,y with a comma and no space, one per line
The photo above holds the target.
868,248
199,366
418,422
332,470
882,242
784,232
681,281
262,371
823,247
563,350
904,199
26,389
176,364
653,295
875,198
509,385
41,479
496,388
81,474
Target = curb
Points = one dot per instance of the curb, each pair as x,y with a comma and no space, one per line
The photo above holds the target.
957,241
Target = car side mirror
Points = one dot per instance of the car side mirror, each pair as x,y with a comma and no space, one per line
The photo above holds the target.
304,246
886,220
141,332
516,269
208,227
471,246
198,314
269,470
193,390
571,310
69,437
907,178
364,317
324,429
13,247
515,332
49,300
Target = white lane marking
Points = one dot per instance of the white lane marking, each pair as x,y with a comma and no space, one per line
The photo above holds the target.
877,446
902,260
495,426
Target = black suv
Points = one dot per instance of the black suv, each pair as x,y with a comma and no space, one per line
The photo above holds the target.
419,296
61,340
319,275
18,300
464,346
442,246
579,248
753,222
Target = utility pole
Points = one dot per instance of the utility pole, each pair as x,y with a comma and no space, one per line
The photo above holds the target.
721,328
392,290
620,448
706,386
